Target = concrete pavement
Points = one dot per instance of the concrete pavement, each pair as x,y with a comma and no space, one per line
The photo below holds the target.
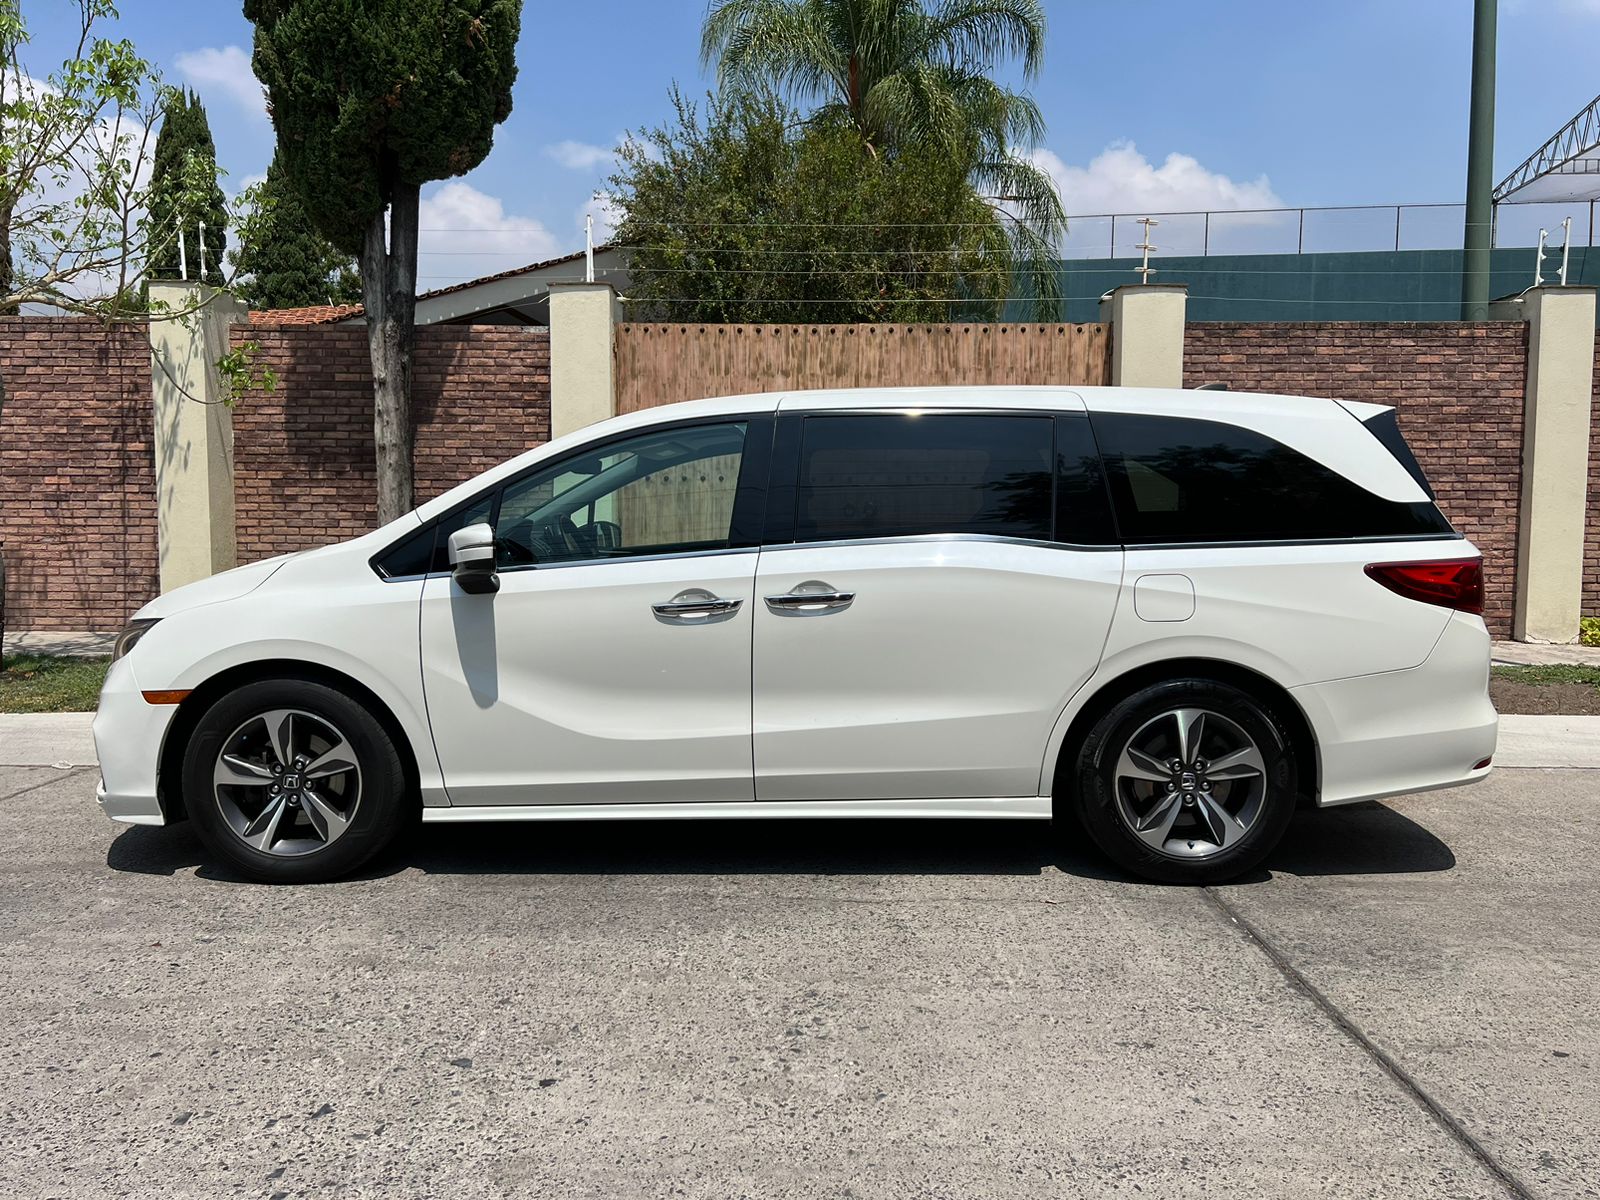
1401,1005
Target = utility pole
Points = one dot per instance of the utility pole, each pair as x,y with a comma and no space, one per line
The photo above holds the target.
1476,248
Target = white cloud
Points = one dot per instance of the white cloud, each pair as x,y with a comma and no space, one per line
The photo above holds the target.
465,234
581,156
224,70
1121,180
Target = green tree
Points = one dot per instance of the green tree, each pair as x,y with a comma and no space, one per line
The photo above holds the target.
74,196
750,215
184,143
289,264
903,74
371,99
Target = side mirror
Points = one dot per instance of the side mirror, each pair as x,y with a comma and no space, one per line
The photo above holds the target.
472,559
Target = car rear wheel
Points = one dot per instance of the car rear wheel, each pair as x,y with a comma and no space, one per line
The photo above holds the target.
1191,781
292,781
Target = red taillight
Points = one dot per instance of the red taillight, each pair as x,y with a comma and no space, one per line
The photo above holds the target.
1452,582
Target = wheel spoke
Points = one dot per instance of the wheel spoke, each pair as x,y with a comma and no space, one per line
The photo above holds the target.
1191,730
240,772
263,831
1224,826
1136,764
1239,764
280,732
1157,824
335,760
328,821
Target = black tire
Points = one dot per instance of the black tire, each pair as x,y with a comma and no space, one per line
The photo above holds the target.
1109,803
376,809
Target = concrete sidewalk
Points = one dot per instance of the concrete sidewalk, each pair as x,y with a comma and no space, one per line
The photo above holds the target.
1537,654
63,740
61,644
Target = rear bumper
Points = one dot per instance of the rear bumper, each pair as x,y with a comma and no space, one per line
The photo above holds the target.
1406,731
128,736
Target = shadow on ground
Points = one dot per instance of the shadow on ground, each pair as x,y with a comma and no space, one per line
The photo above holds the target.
1363,839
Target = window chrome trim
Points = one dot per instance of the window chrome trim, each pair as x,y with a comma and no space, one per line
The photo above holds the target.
913,538
1373,539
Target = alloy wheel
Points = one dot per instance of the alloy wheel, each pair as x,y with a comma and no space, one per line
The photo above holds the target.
287,782
1190,783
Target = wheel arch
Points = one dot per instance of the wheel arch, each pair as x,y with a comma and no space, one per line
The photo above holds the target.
1117,688
169,773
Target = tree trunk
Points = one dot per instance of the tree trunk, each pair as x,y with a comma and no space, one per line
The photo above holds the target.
389,289
6,269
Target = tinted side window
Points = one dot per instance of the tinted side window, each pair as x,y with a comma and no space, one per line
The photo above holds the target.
1083,509
903,474
1178,480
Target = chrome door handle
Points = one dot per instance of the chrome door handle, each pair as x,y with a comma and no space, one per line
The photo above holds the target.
810,601
711,606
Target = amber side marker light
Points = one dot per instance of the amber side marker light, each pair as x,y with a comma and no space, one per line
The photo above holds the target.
166,697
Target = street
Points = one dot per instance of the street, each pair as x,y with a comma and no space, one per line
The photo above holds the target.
1403,1004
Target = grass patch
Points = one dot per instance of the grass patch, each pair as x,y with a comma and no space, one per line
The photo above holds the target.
1550,673
31,683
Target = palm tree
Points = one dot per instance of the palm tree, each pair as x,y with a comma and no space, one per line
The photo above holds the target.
903,74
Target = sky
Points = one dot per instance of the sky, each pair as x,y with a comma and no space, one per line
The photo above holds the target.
1150,106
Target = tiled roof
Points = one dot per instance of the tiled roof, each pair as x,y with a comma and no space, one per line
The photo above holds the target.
315,314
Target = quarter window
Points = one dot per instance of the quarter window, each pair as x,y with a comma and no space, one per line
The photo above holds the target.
904,474
1175,480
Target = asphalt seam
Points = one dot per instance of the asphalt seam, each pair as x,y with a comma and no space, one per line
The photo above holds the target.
66,773
1441,1116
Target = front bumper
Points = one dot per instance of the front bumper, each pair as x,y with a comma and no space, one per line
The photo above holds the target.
128,736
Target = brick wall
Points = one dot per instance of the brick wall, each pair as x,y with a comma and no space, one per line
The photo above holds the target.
303,453
77,478
1459,393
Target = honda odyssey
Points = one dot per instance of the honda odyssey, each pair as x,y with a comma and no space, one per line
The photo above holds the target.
1165,618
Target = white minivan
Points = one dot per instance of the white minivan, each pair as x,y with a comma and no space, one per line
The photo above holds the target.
1167,618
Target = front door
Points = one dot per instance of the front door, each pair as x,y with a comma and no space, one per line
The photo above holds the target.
949,585
613,664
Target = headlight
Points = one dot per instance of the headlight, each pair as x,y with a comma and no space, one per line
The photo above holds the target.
129,637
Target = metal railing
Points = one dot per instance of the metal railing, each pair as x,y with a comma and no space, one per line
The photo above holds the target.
1315,230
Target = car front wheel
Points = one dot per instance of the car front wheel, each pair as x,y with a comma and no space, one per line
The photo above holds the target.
292,781
1191,781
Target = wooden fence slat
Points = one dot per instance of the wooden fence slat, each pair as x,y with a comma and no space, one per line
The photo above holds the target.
662,364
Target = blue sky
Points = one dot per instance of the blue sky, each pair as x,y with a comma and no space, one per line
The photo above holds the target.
1150,104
